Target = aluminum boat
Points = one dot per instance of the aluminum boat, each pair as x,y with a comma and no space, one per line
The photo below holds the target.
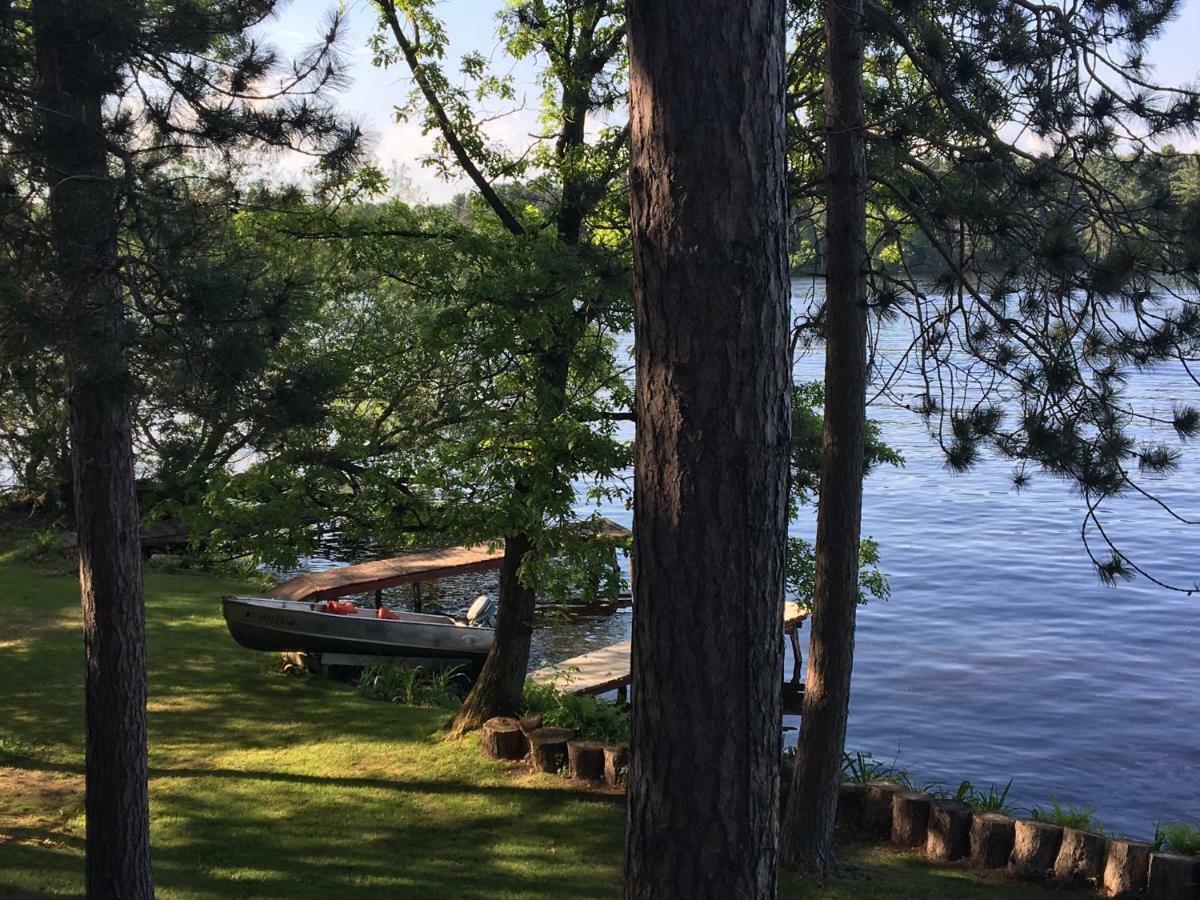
262,623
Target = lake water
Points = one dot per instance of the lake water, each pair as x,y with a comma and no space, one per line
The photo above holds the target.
1000,655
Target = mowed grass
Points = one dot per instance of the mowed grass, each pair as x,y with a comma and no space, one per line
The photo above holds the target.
267,785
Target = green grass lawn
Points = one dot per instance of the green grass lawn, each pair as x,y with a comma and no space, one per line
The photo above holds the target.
266,785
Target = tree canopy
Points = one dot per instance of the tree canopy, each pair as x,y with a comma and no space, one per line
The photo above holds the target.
1031,224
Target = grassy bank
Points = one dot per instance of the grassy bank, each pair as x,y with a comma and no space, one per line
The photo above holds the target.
266,785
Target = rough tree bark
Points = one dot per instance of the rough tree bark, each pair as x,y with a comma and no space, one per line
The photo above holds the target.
809,818
498,689
713,382
72,79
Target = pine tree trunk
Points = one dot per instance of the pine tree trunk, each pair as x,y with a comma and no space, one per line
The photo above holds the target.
83,220
498,689
809,819
713,384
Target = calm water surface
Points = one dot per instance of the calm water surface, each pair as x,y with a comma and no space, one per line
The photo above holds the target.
1000,655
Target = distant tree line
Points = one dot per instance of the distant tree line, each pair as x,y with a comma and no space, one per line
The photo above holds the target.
1163,176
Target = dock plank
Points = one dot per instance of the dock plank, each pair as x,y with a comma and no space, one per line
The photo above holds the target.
591,673
414,568
609,667
381,574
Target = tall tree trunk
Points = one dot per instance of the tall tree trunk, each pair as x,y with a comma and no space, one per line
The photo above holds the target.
809,819
500,686
711,292
71,80
501,682
571,138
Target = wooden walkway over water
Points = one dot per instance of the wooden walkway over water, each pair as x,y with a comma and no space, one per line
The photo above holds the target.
608,668
413,568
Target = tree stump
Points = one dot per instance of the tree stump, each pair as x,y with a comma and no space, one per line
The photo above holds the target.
548,749
1035,848
1172,877
852,798
877,807
530,722
616,764
586,760
910,818
501,738
1081,857
991,840
1126,867
949,834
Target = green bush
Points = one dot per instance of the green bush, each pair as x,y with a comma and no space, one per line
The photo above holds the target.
994,800
589,718
1068,817
1178,837
860,768
411,685
47,548
13,749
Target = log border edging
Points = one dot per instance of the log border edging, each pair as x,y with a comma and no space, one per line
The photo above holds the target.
951,830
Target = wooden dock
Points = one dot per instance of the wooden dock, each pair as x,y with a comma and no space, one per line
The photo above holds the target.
381,574
608,669
414,568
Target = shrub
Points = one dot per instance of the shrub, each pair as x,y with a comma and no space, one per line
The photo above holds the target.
48,548
994,800
860,768
589,718
1068,817
13,749
1178,837
411,685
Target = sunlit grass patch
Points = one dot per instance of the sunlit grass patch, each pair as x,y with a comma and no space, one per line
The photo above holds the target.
264,784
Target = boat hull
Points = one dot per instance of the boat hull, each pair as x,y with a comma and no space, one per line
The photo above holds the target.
283,626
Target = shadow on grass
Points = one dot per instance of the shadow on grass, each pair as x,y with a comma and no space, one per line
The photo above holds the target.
356,844
272,834
294,787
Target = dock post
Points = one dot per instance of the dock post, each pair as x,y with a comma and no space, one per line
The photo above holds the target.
797,658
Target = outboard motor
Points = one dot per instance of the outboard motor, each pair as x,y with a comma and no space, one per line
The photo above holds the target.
482,612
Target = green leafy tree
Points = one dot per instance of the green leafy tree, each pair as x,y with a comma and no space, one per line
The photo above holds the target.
800,566
564,288
470,350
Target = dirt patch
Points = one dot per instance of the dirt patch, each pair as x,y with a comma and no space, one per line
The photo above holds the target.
38,799
25,630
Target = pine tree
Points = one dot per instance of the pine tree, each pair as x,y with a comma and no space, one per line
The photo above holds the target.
711,458
1012,151
839,508
98,98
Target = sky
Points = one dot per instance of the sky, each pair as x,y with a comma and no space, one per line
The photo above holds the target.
398,147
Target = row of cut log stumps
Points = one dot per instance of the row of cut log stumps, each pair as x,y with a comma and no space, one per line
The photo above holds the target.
948,830
554,750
